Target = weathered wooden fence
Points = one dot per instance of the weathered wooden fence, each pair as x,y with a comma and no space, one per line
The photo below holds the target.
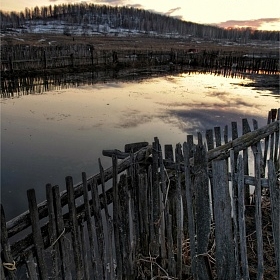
33,58
201,212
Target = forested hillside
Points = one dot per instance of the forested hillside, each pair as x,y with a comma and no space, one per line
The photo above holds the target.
87,19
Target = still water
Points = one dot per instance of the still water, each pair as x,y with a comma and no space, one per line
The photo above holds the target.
46,137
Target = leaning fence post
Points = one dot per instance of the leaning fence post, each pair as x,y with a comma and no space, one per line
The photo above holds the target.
52,232
77,248
37,236
223,225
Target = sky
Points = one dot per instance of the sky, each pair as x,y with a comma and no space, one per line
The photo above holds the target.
257,14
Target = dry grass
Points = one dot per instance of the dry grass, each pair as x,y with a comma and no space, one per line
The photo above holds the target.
102,42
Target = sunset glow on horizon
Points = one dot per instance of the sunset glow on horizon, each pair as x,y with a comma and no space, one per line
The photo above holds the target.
234,13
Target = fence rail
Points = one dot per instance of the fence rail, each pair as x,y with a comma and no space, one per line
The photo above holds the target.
198,212
15,59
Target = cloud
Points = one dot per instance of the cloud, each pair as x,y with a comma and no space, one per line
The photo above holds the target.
133,118
254,23
192,120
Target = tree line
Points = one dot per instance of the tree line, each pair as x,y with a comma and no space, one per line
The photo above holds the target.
129,18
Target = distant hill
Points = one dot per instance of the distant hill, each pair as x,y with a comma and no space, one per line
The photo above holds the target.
90,19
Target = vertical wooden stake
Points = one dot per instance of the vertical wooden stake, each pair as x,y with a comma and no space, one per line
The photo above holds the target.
37,236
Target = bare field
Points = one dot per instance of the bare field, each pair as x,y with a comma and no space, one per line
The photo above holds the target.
103,42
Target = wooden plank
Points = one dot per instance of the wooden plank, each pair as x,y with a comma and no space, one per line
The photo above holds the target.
242,142
273,118
8,262
99,229
226,134
52,233
124,222
31,266
199,139
246,129
259,147
76,242
234,130
163,210
168,153
89,226
210,139
108,257
144,214
274,190
37,236
258,213
155,202
218,137
84,252
234,189
170,251
116,221
134,208
118,153
179,212
203,211
135,147
267,139
64,246
241,219
223,226
189,195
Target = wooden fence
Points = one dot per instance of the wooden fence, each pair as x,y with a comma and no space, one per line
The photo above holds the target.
21,58
201,212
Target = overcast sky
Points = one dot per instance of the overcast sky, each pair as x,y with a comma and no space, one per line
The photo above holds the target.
258,14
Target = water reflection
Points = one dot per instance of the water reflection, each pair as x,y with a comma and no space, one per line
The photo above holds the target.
46,137
38,84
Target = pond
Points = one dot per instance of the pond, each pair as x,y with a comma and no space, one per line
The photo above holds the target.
48,136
